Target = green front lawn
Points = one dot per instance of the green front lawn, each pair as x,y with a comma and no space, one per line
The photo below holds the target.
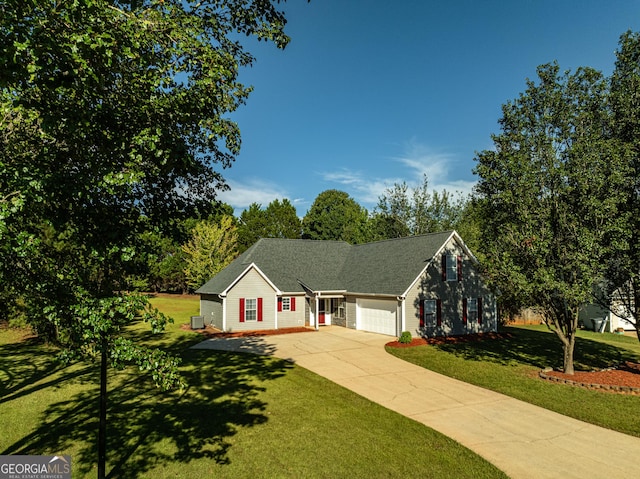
241,416
511,366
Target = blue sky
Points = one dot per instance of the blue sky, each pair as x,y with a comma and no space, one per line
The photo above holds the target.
373,92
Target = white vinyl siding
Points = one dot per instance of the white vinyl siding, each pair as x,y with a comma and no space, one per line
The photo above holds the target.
251,286
292,317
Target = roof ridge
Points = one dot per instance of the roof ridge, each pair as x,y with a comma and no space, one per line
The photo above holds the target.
445,232
300,240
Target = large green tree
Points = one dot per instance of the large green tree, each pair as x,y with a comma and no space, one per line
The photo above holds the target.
549,198
283,220
334,215
621,283
212,247
404,211
278,220
114,115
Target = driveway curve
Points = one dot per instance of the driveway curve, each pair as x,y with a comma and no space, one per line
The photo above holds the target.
523,440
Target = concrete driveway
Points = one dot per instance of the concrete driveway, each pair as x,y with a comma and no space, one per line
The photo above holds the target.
523,440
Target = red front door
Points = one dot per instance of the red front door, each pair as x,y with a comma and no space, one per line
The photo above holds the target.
321,311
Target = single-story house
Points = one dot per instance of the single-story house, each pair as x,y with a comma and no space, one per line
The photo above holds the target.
428,285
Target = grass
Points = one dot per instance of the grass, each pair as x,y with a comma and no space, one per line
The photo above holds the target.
241,416
511,366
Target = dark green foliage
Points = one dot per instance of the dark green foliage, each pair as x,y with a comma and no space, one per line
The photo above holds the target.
278,220
112,123
621,285
334,215
404,211
548,197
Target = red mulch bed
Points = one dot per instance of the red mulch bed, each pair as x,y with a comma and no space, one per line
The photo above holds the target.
214,333
625,378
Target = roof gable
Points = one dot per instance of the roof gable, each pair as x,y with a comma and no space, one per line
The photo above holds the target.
254,267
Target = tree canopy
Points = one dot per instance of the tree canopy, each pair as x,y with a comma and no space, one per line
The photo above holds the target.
278,220
621,282
547,196
113,120
334,215
212,247
404,211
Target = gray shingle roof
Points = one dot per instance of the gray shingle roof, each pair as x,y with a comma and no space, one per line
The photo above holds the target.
389,267
383,267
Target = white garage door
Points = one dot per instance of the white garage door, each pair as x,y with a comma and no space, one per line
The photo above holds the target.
376,316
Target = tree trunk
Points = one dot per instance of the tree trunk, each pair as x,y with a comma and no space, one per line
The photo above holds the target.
102,430
568,348
564,325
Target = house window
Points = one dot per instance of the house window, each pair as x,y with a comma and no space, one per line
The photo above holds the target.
250,309
286,304
451,267
337,308
430,312
430,306
472,310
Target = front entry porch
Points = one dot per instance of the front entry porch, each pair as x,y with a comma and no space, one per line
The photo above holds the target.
325,311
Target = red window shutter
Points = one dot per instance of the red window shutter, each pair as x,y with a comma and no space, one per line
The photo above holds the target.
464,310
439,311
422,313
259,309
242,310
459,268
279,305
292,304
444,266
479,310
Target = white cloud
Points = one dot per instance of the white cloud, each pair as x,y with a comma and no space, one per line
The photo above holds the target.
364,188
243,194
436,165
418,160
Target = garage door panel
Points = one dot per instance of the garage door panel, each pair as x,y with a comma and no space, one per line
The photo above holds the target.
377,316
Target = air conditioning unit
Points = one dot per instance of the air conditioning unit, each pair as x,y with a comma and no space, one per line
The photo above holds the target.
197,322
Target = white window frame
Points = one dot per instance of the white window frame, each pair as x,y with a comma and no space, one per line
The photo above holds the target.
472,310
286,303
452,267
338,308
430,311
253,309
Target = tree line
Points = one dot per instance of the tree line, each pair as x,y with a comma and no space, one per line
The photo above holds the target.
198,247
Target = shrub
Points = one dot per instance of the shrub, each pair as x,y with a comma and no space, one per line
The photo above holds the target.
405,337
